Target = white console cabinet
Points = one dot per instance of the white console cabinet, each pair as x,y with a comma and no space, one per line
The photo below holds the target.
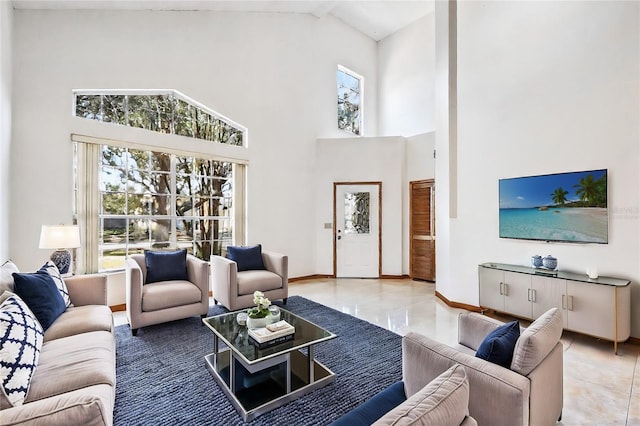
598,307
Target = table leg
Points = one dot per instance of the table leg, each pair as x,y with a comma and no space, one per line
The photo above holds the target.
232,373
311,363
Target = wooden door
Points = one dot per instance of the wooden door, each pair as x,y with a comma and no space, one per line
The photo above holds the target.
422,230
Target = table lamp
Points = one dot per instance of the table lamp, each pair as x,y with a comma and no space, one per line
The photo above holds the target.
61,238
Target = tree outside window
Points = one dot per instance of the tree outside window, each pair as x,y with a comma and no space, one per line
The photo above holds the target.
349,100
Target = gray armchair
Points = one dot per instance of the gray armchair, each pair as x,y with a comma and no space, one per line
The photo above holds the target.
164,301
234,289
527,393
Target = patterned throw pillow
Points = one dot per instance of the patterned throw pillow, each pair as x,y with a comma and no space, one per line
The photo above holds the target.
51,269
20,344
6,277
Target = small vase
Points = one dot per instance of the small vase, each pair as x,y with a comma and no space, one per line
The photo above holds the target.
258,322
536,261
550,262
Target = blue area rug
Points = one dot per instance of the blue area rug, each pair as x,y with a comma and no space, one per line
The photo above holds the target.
162,378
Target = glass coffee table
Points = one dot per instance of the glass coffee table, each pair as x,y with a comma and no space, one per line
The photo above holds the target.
258,380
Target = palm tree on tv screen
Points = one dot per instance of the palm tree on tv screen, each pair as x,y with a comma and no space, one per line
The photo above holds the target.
559,196
592,191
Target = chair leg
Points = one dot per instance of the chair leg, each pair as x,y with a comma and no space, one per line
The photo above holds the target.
284,301
560,418
203,316
134,331
215,302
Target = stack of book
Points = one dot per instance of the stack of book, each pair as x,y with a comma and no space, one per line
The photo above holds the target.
272,334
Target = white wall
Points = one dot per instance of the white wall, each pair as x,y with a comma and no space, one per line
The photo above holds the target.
545,87
273,73
360,160
6,29
406,68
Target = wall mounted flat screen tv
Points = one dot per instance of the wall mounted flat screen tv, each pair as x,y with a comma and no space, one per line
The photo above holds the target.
566,207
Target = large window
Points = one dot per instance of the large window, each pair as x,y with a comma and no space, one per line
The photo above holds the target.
349,100
155,200
166,111
132,196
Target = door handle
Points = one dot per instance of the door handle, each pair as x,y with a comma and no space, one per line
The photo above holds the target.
564,306
570,303
533,295
528,295
501,291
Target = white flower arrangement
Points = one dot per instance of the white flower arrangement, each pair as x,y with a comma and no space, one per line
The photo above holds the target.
261,310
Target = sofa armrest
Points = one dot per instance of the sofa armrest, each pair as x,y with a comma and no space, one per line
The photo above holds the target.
474,327
277,263
497,395
90,289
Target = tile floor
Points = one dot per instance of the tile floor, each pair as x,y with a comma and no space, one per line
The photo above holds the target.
600,388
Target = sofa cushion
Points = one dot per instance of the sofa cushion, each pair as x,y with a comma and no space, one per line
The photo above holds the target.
72,363
51,269
168,294
90,406
80,319
250,281
498,346
374,408
537,341
443,402
20,345
41,295
165,265
246,257
6,276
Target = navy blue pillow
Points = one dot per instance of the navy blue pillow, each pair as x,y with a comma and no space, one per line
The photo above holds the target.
246,257
166,265
498,346
41,295
374,408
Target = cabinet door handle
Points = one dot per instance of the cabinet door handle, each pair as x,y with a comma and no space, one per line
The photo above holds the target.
570,304
528,295
501,291
506,289
564,306
533,294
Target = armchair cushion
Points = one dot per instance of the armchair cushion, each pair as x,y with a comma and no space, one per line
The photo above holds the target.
443,402
6,276
246,257
537,341
166,265
497,346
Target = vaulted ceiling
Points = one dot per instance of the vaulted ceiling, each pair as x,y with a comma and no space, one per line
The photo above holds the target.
376,19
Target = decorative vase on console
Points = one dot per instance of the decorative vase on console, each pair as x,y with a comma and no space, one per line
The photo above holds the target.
536,261
550,262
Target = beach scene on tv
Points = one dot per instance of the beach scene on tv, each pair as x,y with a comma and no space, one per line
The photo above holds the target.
569,207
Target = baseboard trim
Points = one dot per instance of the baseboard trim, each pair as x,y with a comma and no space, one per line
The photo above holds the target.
458,304
393,277
634,340
118,308
309,277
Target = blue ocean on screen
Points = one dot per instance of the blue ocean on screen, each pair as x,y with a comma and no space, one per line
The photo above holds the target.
589,224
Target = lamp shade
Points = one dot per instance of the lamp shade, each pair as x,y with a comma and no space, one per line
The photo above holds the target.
59,236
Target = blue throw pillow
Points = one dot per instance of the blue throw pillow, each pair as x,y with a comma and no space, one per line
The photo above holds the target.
41,295
246,257
166,265
498,346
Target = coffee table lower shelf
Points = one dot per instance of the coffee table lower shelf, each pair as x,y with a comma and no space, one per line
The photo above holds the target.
261,387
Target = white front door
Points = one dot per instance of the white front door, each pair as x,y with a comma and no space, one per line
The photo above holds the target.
357,227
